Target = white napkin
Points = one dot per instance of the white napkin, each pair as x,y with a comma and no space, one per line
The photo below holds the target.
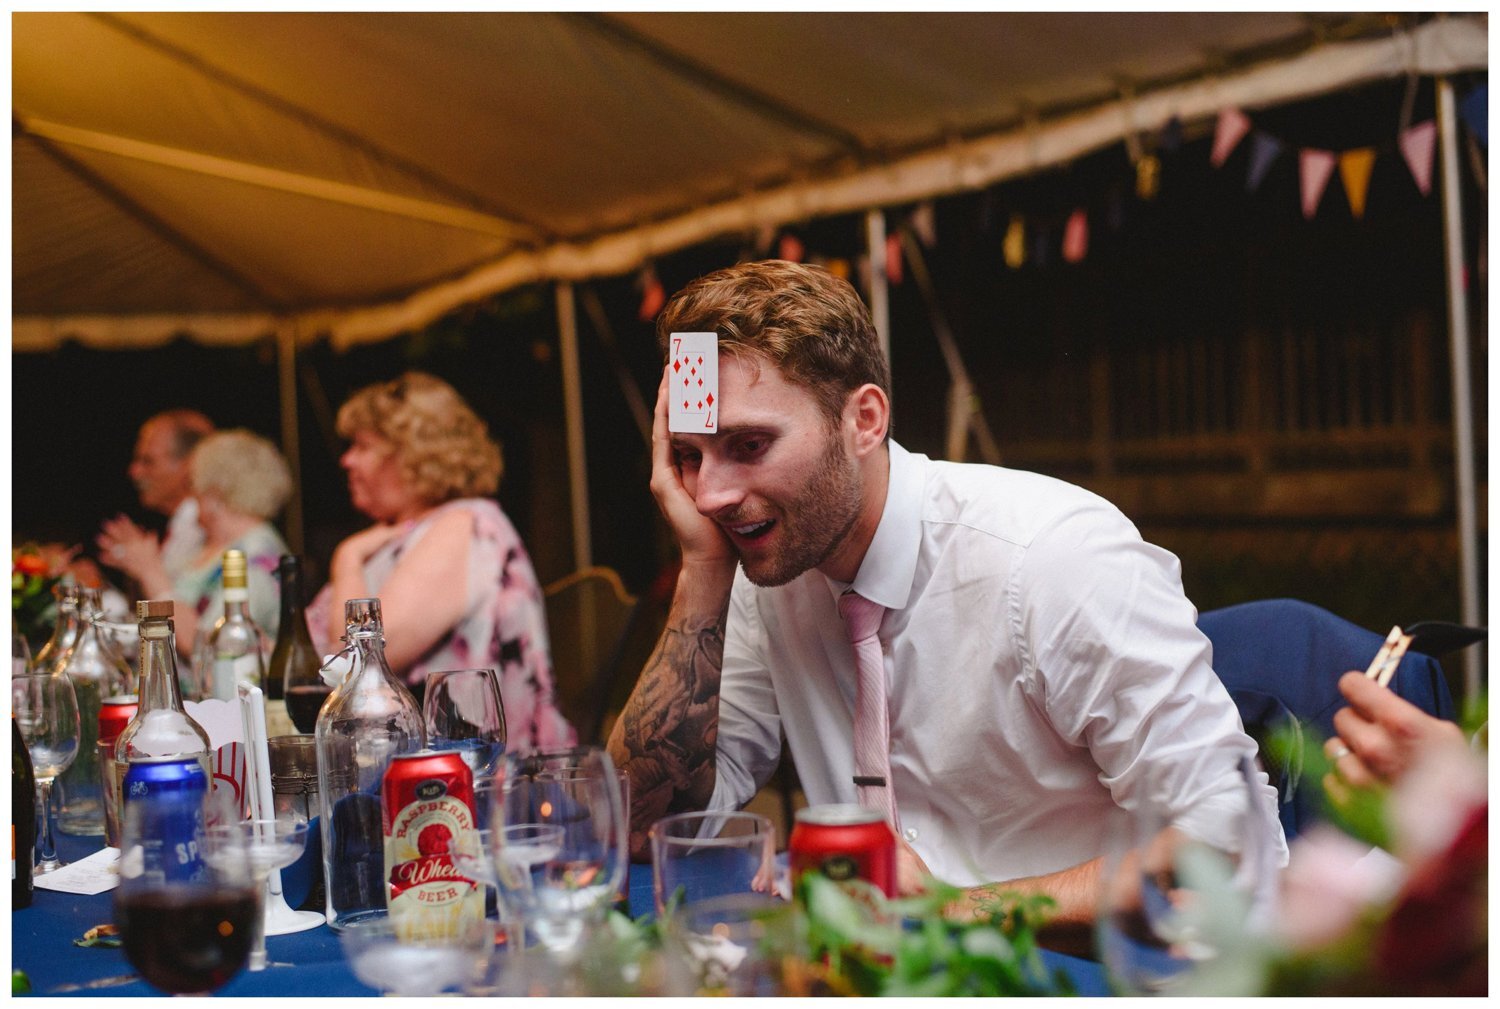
94,874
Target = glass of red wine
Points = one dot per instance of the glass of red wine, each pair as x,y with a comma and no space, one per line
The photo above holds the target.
187,923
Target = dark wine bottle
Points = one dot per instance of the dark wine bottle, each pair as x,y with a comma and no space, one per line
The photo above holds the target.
294,659
22,819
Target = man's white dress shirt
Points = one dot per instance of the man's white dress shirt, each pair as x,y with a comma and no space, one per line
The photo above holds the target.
1045,670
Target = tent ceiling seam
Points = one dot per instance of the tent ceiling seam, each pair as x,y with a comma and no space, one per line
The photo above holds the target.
171,235
704,75
333,131
276,179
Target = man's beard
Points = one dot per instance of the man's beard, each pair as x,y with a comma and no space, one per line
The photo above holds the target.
815,523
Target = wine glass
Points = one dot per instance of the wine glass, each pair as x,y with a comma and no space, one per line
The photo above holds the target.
1175,907
46,709
386,954
558,834
462,710
20,652
187,922
262,845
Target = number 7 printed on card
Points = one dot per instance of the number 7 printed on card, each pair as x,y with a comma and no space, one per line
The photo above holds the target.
693,382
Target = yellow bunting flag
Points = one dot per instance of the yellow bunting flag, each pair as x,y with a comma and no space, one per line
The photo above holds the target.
839,268
1147,177
1015,242
1354,169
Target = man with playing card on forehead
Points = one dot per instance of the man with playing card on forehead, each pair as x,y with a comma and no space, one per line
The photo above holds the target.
993,659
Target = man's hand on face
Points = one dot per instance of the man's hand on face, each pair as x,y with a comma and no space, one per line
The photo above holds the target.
703,543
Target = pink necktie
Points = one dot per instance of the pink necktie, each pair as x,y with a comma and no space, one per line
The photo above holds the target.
872,727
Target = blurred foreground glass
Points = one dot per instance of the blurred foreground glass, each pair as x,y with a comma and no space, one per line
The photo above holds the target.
743,944
558,833
1173,905
696,856
462,710
187,933
390,956
261,845
46,711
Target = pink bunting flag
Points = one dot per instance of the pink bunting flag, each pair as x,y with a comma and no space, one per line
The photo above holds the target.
1416,147
1315,167
791,248
893,270
1075,243
1354,168
1233,125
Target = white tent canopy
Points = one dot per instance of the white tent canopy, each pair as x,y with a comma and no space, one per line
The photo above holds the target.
233,175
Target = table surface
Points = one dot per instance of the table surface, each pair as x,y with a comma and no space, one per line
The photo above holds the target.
42,946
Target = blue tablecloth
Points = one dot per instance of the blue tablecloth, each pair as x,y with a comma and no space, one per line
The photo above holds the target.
42,946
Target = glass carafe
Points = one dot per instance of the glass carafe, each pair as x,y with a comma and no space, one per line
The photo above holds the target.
369,719
98,671
66,630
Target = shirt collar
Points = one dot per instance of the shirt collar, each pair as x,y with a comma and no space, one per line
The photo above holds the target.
885,575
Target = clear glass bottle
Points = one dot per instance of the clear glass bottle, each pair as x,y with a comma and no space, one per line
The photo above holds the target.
161,727
234,651
293,681
369,719
66,630
98,671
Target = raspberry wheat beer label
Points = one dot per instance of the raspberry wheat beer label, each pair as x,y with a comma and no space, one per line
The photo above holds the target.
844,842
428,811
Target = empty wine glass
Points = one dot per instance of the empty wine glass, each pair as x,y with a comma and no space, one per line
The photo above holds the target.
462,710
1174,905
187,922
572,870
404,961
262,845
46,710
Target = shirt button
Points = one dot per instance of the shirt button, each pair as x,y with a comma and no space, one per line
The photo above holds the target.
911,834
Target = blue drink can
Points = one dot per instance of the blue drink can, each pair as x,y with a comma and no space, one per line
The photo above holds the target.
164,815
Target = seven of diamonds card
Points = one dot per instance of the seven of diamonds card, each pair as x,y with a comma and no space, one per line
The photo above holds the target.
693,381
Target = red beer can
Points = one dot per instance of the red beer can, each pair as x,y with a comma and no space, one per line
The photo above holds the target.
844,841
428,817
114,714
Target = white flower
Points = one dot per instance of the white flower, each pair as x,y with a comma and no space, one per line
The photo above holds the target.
1431,802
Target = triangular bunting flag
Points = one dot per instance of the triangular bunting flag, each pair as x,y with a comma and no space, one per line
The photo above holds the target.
839,268
893,270
1014,246
1417,145
765,237
1232,127
1148,177
924,224
1264,149
1475,110
1171,135
1354,168
1315,167
653,296
791,248
1075,243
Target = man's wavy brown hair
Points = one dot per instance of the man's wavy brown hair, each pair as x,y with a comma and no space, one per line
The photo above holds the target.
804,320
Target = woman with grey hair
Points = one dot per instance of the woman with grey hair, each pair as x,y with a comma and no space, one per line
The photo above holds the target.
241,482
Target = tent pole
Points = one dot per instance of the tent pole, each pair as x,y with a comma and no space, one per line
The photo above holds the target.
880,305
578,481
291,445
1463,412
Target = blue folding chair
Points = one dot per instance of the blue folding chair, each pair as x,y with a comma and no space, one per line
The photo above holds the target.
1281,660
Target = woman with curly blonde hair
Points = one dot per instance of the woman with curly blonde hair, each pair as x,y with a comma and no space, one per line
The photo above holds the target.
456,586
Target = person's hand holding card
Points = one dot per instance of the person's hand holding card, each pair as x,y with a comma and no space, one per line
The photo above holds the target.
703,543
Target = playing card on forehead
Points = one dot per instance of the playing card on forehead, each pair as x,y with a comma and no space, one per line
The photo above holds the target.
693,378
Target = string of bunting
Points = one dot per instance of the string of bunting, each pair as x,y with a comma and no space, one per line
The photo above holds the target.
1032,237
